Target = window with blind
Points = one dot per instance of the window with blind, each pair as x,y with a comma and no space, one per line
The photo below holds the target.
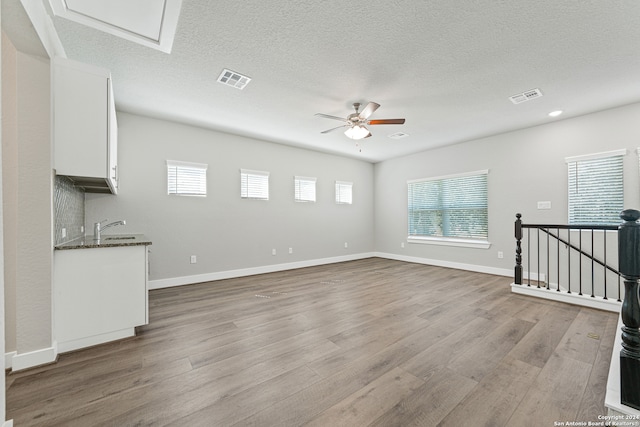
596,193
305,189
453,207
344,192
186,178
254,184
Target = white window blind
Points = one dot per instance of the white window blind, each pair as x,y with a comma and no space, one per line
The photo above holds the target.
596,193
186,178
305,189
254,184
453,206
344,193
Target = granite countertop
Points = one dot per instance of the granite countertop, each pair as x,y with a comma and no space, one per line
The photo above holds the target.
107,241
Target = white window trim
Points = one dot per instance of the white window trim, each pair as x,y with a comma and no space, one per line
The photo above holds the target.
638,151
192,165
450,241
307,179
455,175
258,173
595,156
336,195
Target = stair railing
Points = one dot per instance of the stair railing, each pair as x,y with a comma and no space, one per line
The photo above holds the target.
628,247
550,255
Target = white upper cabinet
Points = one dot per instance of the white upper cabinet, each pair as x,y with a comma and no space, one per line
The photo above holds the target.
85,130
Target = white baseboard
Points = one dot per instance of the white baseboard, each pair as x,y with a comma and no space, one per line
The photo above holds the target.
448,264
8,359
21,361
95,340
8,423
572,298
230,274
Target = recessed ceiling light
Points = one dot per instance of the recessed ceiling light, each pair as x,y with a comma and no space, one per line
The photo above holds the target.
555,113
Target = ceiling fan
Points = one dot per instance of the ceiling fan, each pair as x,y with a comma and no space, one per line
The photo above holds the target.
355,122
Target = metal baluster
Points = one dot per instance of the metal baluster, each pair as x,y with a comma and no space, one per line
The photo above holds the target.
538,270
558,257
580,263
604,234
569,261
528,257
619,276
548,268
593,265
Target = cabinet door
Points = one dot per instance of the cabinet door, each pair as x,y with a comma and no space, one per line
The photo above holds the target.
81,96
114,174
99,291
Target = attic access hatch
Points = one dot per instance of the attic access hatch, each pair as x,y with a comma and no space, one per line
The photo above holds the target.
151,23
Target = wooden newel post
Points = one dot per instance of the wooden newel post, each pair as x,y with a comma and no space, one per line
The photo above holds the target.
629,265
517,279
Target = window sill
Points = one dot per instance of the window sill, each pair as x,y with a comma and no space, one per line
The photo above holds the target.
450,241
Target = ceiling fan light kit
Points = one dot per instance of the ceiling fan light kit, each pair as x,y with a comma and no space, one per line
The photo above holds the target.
357,132
355,122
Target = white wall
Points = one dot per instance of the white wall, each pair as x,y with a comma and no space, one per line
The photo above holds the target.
525,166
225,232
3,399
27,176
10,186
35,186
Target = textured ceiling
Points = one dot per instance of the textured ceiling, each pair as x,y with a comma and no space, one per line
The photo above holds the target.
447,66
16,24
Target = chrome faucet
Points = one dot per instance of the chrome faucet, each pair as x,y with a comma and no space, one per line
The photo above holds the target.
98,227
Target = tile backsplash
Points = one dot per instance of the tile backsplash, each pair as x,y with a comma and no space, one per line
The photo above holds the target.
68,204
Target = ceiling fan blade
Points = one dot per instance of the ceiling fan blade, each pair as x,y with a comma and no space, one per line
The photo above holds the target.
368,110
327,116
332,129
386,122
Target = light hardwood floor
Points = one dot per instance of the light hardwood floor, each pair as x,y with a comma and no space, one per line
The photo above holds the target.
373,342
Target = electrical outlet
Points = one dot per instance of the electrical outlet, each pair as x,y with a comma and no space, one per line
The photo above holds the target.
64,233
273,251
544,205
402,244
346,245
500,254
194,259
82,229
290,250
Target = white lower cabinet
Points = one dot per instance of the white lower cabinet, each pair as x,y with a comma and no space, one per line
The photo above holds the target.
100,295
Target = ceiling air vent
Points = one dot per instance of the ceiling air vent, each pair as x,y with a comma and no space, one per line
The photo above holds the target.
231,78
526,96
